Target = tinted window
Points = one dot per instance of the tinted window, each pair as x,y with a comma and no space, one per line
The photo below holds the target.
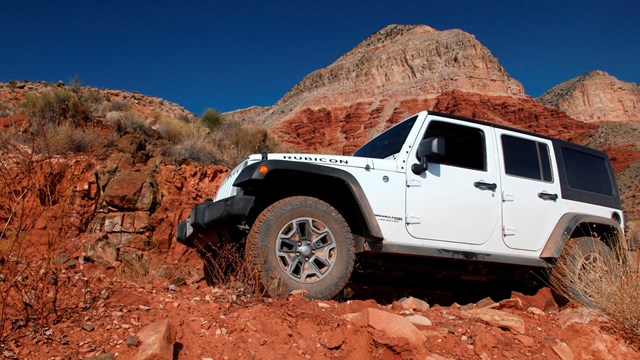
526,158
587,172
388,143
464,146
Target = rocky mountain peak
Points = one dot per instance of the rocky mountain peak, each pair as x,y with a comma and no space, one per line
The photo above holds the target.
387,35
410,60
595,96
396,63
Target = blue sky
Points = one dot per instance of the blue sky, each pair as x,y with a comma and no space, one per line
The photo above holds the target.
233,54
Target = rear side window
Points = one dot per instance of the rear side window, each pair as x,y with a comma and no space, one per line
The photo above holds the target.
464,145
526,158
587,172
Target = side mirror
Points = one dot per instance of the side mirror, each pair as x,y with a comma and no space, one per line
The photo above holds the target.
431,149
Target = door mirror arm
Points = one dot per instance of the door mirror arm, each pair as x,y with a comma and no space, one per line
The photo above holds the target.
421,167
429,149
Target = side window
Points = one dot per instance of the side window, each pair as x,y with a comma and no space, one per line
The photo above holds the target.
526,158
464,145
587,172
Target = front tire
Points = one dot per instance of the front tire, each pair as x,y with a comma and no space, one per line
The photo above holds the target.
301,243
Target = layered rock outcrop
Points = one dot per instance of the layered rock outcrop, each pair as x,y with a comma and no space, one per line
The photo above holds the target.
356,95
595,96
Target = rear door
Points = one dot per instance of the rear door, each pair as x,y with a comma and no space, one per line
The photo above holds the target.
457,198
530,190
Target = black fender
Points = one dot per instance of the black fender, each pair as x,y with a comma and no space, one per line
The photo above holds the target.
561,234
253,174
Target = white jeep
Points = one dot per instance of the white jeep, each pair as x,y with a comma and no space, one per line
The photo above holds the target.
433,186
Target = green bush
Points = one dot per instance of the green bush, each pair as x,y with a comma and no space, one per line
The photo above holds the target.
212,119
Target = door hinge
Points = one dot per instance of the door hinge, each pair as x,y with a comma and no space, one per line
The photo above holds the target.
507,197
413,183
508,231
413,219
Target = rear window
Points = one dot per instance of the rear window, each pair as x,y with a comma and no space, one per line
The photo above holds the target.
587,172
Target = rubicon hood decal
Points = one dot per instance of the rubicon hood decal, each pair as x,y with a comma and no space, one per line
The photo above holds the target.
316,158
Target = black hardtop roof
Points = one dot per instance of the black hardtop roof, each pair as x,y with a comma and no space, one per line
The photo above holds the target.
557,142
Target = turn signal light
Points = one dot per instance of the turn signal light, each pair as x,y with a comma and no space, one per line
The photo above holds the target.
262,169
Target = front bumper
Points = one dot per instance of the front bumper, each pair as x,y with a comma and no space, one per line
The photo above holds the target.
210,215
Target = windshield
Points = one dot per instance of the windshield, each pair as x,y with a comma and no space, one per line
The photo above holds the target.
388,143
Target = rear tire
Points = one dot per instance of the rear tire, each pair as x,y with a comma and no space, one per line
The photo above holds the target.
582,262
301,243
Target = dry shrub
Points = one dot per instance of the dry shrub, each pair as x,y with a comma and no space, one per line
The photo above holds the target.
59,120
197,147
65,139
225,265
173,130
612,285
117,106
132,121
235,143
4,110
55,106
135,267
37,285
214,140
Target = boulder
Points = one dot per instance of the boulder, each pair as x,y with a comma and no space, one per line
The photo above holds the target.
496,318
156,341
135,222
131,190
391,324
419,320
411,303
563,351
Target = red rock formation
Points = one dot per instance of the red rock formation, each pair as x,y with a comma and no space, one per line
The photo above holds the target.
395,64
343,129
595,96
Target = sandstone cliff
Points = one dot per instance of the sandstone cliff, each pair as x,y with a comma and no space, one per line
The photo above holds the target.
595,96
355,96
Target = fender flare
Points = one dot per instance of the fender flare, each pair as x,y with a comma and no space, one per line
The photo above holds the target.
561,234
250,176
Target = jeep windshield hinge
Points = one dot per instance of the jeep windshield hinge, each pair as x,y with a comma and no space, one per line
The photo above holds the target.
413,219
413,183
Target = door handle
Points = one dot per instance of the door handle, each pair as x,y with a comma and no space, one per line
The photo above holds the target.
546,196
485,186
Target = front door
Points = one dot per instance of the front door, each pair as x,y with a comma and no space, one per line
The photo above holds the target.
457,198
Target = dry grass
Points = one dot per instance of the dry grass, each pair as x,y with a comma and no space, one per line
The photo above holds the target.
612,286
66,139
227,144
36,286
56,106
226,266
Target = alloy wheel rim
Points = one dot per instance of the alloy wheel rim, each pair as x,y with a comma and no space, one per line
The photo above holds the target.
306,250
